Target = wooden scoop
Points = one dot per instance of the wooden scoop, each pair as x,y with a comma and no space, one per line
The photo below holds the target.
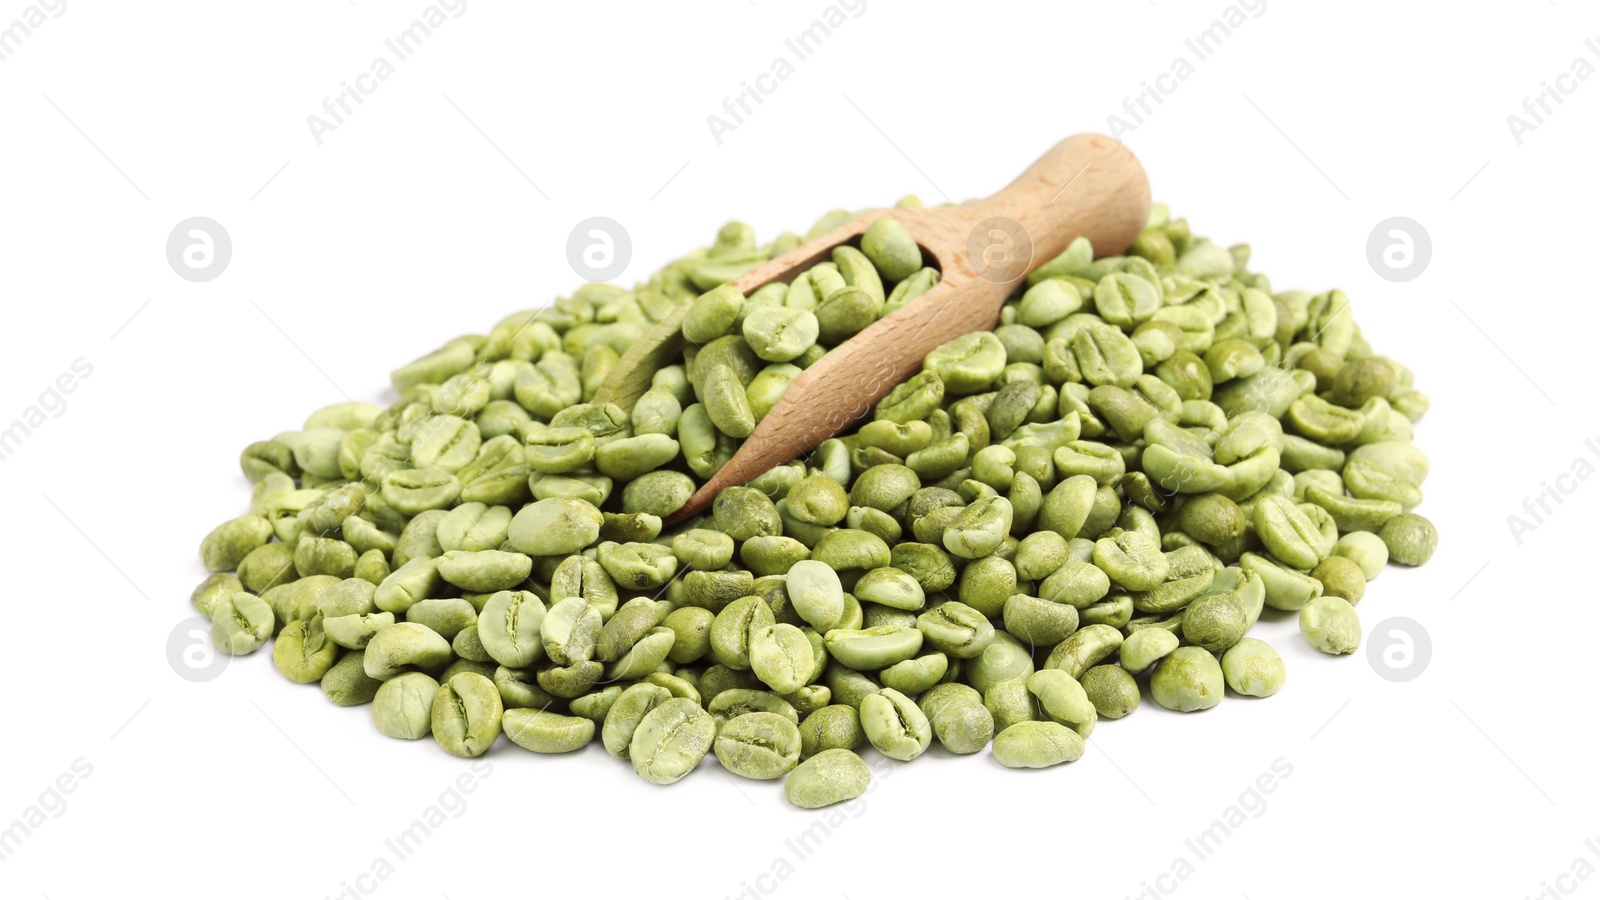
1088,185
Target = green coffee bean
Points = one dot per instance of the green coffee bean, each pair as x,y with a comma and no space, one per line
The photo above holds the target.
229,543
1367,550
959,720
543,731
572,681
303,651
1063,699
758,745
352,596
637,565
1040,554
402,707
891,249
625,714
1218,619
1112,690
1039,622
1009,702
890,587
324,556
1253,668
1331,625
780,334
712,315
703,549
519,689
1410,539
912,400
466,714
596,704
469,646
816,593
833,727
405,647
627,626
956,629
831,776
731,630
731,702
1287,531
1037,745
569,631
1004,659
628,458
743,513
1145,647
240,623
1076,583
978,530
1285,588
509,628
1083,649
894,725
846,549
419,538
346,683
868,649
265,567
644,657
413,491
1132,560
715,590
1186,680
671,740
484,570
691,628
554,527
406,585
1341,577
1352,513
354,632
656,412
913,676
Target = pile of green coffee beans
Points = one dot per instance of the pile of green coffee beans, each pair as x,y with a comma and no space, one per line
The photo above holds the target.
1105,491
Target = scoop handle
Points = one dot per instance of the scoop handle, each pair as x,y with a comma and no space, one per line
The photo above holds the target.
1088,185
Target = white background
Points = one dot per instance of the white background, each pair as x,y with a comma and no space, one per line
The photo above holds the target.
446,201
